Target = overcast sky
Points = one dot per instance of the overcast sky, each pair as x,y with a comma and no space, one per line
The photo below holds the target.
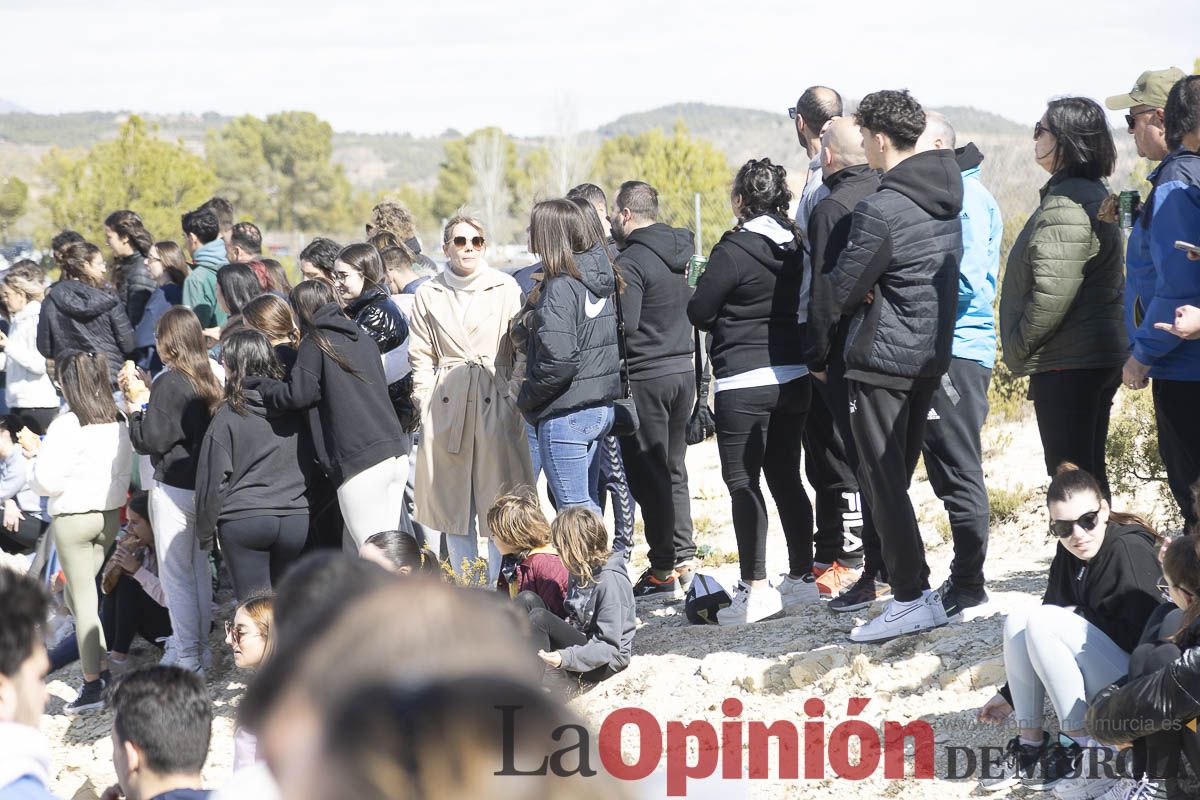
526,65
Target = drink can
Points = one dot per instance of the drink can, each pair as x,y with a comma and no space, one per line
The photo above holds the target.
1128,202
696,267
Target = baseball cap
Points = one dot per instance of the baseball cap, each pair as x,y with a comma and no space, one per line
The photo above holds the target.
1151,89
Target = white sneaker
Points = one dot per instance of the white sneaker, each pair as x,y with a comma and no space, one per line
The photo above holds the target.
900,619
798,592
1086,787
751,605
170,656
1130,789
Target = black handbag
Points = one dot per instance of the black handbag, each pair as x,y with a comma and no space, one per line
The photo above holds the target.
701,424
625,416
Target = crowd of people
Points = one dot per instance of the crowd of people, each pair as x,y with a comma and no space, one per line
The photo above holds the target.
339,448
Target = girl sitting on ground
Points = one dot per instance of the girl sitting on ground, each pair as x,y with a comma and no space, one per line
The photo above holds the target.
249,636
530,564
596,640
399,553
134,601
1102,589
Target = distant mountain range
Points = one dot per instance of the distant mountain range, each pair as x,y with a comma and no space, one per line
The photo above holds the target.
383,161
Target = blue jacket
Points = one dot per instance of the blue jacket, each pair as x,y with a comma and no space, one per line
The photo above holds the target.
982,230
27,787
1160,278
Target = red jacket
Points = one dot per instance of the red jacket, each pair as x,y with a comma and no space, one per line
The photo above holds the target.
542,572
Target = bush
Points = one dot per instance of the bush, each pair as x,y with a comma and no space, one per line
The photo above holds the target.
1132,453
1004,504
1006,394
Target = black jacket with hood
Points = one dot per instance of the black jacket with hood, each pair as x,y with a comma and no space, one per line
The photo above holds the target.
748,299
828,235
1116,591
171,429
79,318
572,361
905,245
254,465
134,286
353,423
658,336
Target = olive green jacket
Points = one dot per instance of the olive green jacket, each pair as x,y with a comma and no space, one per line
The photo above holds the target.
1061,303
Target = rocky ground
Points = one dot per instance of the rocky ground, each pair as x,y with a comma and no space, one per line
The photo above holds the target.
682,672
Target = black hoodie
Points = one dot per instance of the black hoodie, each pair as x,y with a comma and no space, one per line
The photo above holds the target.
658,336
572,358
80,318
352,420
171,429
257,465
747,298
905,246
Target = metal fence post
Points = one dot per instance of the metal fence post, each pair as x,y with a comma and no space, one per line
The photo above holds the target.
699,251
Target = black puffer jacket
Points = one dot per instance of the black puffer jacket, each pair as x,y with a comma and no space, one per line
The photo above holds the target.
134,286
658,336
375,313
572,357
905,245
748,297
80,318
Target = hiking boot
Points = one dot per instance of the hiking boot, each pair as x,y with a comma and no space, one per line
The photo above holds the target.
91,696
902,618
957,599
798,592
650,586
751,604
834,579
865,591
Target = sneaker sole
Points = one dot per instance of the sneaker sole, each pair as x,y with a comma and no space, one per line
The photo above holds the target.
1000,787
777,615
73,711
670,594
1034,785
896,634
862,605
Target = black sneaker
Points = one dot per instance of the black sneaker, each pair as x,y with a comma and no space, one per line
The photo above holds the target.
957,599
106,678
91,695
1060,762
1016,766
650,586
865,591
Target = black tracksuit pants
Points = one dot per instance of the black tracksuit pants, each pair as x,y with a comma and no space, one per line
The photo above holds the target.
759,431
655,466
1175,410
841,461
889,430
1072,407
954,462
839,517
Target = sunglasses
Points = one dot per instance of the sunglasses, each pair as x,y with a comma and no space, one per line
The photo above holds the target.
1165,588
792,112
1039,129
1131,119
1062,528
236,633
461,241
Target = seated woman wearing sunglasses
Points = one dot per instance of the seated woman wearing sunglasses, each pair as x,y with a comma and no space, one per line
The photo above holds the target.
1102,589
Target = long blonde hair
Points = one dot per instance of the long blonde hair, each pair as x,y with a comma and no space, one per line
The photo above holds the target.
517,520
579,536
261,611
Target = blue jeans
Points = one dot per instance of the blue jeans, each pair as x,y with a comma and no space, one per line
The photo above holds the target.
569,444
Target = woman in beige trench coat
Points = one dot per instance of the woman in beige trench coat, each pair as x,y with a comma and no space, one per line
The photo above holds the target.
473,443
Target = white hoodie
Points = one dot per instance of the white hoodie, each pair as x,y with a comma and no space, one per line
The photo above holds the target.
83,468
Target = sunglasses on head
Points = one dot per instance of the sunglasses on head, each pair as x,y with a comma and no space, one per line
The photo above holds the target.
1062,528
1039,129
461,241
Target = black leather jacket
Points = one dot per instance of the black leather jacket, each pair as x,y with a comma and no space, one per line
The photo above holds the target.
375,313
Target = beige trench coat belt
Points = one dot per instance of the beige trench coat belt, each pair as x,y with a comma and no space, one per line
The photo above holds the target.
456,400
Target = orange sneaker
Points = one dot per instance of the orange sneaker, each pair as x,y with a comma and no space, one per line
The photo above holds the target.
834,579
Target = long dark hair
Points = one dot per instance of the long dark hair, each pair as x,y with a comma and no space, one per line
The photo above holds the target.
402,550
597,227
173,261
87,388
272,315
1069,480
245,353
180,341
239,285
128,224
558,230
75,260
364,259
762,187
1181,563
1083,146
307,298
